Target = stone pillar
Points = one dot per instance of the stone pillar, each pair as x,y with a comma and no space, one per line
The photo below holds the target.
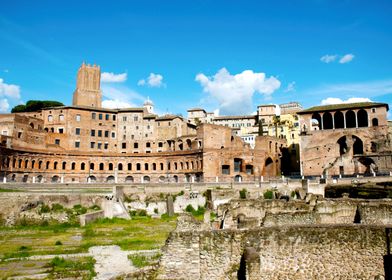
261,178
333,120
321,120
33,179
62,179
216,179
344,119
170,206
89,180
116,175
356,119
142,180
192,178
5,179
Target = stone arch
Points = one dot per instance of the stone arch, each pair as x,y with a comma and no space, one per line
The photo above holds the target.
175,178
180,145
238,178
342,142
110,179
32,125
357,146
188,178
120,167
40,179
189,144
338,119
162,179
362,117
55,179
33,164
374,122
316,120
357,217
146,179
327,121
350,119
46,129
269,167
91,179
26,163
129,179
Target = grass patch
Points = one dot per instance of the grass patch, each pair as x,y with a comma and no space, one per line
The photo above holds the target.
142,261
8,190
82,267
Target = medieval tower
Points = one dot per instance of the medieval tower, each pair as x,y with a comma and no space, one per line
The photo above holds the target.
88,91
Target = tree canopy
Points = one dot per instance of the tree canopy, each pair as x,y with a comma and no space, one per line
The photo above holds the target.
35,105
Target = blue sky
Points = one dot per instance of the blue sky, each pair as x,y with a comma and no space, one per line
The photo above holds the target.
220,55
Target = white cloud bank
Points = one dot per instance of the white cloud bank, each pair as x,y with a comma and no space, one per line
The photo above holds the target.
234,92
4,106
110,77
8,90
328,58
334,100
153,80
120,97
290,87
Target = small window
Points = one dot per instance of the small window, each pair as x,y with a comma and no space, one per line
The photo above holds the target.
124,145
57,141
99,133
100,116
50,118
61,130
113,135
137,127
92,145
106,133
93,116
99,146
78,118
77,131
373,110
61,118
148,145
135,119
93,132
107,117
124,119
160,144
106,146
77,144
135,145
114,117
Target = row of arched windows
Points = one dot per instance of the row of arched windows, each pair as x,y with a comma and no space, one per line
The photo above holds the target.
40,164
340,120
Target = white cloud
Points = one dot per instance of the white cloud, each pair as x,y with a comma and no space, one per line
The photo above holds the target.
4,106
120,97
110,77
234,92
290,87
335,100
328,58
7,90
154,80
346,58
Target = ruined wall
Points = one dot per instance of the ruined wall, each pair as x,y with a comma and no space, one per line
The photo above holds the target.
345,252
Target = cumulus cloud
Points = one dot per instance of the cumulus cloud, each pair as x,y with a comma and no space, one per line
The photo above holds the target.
346,58
290,87
4,106
110,77
334,100
120,97
234,92
8,90
328,58
154,80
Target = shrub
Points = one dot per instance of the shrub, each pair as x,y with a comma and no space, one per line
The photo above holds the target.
199,212
58,243
24,248
138,213
189,208
79,209
156,210
95,207
243,194
44,209
269,194
57,207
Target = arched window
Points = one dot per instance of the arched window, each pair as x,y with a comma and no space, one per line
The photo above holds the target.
73,166
40,164
120,166
374,122
32,125
362,116
129,166
357,146
316,121
138,167
154,166
26,163
64,165
339,119
146,166
146,179
47,164
91,166
82,166
327,121
161,166
187,165
50,118
55,165
33,164
175,166
110,166
350,119
101,166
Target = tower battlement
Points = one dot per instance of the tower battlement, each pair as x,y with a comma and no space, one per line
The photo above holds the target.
88,88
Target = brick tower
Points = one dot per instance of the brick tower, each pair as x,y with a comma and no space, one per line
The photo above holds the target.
88,89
